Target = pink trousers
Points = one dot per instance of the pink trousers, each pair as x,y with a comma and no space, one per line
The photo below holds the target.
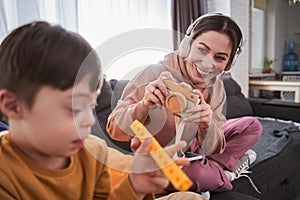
240,134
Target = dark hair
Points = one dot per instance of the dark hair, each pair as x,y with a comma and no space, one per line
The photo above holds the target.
38,54
222,24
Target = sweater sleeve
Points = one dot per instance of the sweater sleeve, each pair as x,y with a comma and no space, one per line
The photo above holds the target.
103,188
131,106
124,190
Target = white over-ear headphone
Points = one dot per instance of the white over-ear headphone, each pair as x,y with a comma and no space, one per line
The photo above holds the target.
185,45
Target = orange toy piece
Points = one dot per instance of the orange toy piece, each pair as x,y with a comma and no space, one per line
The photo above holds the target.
177,177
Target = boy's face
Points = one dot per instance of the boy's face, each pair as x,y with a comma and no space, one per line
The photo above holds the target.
59,121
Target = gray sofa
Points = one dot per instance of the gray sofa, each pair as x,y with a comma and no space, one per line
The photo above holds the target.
276,174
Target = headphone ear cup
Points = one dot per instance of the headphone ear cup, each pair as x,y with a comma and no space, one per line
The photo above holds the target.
237,54
185,46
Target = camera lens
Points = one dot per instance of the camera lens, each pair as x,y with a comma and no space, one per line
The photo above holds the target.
176,102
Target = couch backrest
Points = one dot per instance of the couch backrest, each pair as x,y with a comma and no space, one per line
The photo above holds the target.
237,105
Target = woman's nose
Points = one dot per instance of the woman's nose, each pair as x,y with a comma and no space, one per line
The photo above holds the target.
208,62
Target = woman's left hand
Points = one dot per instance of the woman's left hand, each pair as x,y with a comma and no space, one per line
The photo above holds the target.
200,113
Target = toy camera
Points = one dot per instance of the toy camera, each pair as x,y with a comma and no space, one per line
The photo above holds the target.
180,97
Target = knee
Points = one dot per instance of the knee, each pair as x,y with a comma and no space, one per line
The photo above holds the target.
249,126
255,126
206,176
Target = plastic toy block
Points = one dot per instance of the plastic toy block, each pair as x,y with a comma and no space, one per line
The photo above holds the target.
177,177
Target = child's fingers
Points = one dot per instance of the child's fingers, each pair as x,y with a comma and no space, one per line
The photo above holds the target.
159,182
143,162
145,146
134,144
172,149
182,161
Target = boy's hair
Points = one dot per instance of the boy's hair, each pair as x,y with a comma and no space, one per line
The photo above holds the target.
39,54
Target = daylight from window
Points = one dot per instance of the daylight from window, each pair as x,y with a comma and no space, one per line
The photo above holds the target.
127,34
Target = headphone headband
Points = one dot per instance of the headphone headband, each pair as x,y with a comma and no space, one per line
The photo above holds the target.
195,23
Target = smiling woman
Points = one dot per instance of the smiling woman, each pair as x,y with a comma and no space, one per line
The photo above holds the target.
211,46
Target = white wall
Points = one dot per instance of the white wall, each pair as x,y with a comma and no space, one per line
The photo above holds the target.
240,11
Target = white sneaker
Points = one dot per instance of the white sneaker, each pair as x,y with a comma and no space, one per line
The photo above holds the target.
243,165
206,194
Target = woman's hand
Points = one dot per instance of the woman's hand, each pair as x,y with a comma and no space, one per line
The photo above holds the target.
200,113
156,91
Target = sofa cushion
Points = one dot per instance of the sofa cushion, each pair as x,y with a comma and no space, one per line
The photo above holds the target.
117,90
236,105
110,92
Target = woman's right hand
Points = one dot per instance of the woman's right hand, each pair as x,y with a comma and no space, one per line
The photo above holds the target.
156,91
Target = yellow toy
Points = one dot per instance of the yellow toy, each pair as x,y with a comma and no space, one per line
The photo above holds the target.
177,177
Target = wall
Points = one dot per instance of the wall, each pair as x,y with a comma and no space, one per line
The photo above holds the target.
240,11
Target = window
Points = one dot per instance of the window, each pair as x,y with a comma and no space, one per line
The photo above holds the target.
126,33
257,39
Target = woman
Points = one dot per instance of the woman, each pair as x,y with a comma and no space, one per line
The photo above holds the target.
210,47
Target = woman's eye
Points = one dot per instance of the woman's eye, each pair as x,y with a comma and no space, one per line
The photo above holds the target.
220,58
203,51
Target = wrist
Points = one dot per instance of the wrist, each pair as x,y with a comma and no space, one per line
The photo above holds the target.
140,195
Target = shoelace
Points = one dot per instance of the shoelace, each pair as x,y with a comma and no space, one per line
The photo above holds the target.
242,172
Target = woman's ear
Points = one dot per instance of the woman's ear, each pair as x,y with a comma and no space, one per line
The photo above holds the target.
9,104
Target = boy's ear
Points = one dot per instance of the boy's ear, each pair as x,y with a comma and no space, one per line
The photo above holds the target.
9,104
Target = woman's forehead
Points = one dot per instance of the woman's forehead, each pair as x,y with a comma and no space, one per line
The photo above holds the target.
215,40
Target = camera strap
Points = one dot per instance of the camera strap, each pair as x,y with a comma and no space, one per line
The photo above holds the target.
179,126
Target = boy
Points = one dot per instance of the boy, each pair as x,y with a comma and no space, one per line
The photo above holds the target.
49,82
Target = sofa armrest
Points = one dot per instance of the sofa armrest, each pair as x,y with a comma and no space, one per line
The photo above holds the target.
275,109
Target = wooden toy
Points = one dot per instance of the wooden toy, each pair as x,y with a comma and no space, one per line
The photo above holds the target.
177,177
181,96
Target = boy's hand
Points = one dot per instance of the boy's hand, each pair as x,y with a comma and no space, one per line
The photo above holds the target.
146,177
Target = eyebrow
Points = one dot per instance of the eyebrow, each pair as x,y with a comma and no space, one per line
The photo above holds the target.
79,95
221,53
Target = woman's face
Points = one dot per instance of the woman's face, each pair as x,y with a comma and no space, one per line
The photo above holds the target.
209,54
